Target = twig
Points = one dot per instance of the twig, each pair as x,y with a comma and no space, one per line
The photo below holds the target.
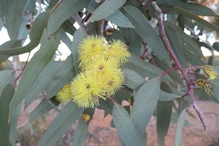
177,64
102,27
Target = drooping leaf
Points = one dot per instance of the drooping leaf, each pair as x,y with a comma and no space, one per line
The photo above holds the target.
144,29
196,18
133,80
61,123
14,10
193,58
80,133
62,78
179,127
107,8
6,77
165,96
120,20
67,26
143,68
79,35
193,7
176,44
64,11
45,78
36,65
145,103
13,128
41,109
8,44
5,99
126,128
35,35
164,111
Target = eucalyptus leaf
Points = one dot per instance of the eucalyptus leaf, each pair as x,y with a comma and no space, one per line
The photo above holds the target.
69,114
35,66
145,103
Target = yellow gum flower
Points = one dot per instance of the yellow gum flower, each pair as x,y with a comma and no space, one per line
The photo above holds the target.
205,84
86,90
90,47
210,72
64,94
118,50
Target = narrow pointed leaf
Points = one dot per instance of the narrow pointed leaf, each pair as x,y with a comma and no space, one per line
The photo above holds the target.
164,112
176,44
196,18
41,109
79,35
6,77
107,8
145,103
61,124
179,127
143,68
35,35
133,80
5,99
120,20
14,11
126,128
144,29
80,133
64,11
13,128
36,65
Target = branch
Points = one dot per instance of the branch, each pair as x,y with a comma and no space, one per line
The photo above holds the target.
177,64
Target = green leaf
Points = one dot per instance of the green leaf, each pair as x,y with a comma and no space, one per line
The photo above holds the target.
216,46
144,29
64,77
36,65
67,26
5,99
107,8
164,96
145,103
164,111
193,58
143,68
120,20
64,11
126,128
80,133
13,129
133,80
186,40
8,44
45,78
6,77
179,128
176,44
79,35
61,123
14,11
196,18
35,35
121,95
41,109
191,6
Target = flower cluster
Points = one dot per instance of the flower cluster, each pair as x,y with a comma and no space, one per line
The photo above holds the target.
101,75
